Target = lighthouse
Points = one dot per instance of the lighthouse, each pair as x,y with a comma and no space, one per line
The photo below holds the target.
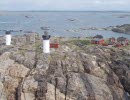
46,42
8,37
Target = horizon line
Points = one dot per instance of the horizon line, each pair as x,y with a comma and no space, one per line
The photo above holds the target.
65,10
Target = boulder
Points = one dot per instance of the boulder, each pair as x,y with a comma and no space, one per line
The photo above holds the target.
17,71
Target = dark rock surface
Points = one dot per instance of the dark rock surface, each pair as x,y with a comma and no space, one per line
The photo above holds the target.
122,29
68,73
119,29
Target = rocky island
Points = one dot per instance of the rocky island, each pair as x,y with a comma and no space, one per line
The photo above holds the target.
122,29
125,28
76,70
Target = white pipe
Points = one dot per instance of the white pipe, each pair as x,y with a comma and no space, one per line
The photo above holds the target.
8,39
46,46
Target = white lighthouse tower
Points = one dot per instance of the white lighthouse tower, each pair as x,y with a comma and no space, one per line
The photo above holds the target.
8,37
46,42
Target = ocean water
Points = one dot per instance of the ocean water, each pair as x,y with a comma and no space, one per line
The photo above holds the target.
59,22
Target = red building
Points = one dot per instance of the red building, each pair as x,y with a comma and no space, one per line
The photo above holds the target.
98,39
112,40
122,41
54,45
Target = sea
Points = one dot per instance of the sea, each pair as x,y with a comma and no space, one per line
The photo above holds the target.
63,23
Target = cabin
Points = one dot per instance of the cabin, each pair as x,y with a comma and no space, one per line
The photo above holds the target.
54,44
112,41
98,39
122,41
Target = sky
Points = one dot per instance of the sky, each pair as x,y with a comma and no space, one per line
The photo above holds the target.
65,5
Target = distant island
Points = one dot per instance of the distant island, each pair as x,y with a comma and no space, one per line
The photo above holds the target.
118,29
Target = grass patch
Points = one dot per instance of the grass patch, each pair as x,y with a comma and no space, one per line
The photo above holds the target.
80,42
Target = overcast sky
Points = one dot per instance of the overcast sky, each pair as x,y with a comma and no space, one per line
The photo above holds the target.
72,5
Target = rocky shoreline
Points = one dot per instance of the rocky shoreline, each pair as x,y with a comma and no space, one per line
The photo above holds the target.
118,29
71,72
122,29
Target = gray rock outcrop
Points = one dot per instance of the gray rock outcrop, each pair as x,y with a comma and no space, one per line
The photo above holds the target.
75,73
122,29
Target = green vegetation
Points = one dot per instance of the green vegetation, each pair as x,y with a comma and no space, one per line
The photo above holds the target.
78,44
22,52
81,42
106,41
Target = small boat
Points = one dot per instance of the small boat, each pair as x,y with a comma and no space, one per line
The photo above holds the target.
28,17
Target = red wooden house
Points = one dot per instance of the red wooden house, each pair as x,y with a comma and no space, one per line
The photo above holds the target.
112,41
122,41
54,44
98,39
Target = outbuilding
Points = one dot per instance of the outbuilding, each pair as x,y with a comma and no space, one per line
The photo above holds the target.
98,39
122,41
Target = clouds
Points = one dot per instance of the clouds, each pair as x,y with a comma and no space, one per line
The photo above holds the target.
64,5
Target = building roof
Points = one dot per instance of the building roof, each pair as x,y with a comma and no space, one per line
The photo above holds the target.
112,38
98,36
8,32
46,36
121,39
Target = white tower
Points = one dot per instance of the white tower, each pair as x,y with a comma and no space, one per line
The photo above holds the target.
8,37
46,42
